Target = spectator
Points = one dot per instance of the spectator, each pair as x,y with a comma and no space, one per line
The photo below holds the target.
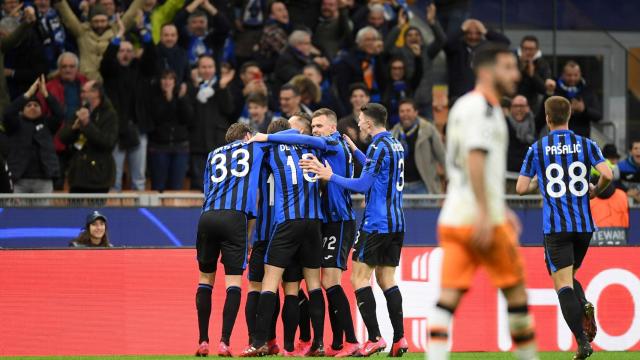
249,21
363,64
334,28
9,40
359,96
629,168
250,81
304,13
310,93
290,102
213,108
416,52
585,106
156,16
124,78
295,56
92,138
328,98
93,37
203,30
459,49
522,132
109,7
94,233
171,114
374,17
51,32
423,151
400,87
610,211
32,158
535,72
452,14
10,8
170,56
274,36
259,116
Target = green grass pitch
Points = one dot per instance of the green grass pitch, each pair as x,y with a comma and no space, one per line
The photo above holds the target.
410,356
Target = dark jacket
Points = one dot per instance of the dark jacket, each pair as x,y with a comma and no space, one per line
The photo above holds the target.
28,61
397,91
175,59
459,55
92,166
24,134
290,63
6,45
348,70
124,86
210,120
171,119
532,87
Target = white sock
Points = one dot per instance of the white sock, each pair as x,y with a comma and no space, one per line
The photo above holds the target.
521,327
439,321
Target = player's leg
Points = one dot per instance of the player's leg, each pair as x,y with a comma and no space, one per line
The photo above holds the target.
304,319
311,260
559,256
580,248
251,307
290,310
233,282
458,268
208,250
337,242
506,271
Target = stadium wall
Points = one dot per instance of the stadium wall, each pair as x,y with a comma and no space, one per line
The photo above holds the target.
154,226
141,301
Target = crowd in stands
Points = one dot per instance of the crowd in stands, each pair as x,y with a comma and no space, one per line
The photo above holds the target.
92,90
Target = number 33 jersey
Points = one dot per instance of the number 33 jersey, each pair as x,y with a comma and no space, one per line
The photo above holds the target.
563,161
475,124
231,177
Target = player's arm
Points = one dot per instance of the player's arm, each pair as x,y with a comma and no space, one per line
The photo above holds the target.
527,185
360,157
292,139
324,172
482,228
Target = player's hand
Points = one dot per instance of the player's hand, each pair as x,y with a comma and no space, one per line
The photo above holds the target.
514,221
312,164
481,238
259,137
592,191
550,86
350,142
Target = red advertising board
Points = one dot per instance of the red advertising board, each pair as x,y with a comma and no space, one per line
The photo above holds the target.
72,302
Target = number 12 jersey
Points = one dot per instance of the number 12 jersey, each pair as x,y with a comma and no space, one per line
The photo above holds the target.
563,161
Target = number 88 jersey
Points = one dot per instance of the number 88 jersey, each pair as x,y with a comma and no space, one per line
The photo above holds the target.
563,161
231,177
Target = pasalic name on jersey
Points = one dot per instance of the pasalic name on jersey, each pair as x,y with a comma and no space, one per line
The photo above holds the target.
560,149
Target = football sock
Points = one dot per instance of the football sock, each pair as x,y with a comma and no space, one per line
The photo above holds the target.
316,312
250,309
230,312
394,306
290,318
266,307
577,288
336,295
336,327
522,332
439,322
367,307
203,305
274,319
304,320
572,311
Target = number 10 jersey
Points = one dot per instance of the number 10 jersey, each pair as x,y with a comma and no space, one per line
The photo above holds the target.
563,161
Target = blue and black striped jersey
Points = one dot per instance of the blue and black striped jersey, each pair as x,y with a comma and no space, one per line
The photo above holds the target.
231,177
385,163
297,193
563,161
264,219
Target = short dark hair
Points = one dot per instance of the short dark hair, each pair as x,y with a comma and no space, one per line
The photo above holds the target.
408,101
375,112
558,110
289,86
530,38
237,131
205,56
168,24
278,125
247,65
306,119
314,66
197,13
258,99
487,54
633,141
273,2
570,63
359,86
330,114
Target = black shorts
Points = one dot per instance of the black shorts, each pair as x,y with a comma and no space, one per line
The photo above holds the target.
565,249
376,249
337,240
256,265
295,242
222,231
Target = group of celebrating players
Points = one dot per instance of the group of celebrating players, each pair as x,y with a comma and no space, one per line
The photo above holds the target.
297,180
